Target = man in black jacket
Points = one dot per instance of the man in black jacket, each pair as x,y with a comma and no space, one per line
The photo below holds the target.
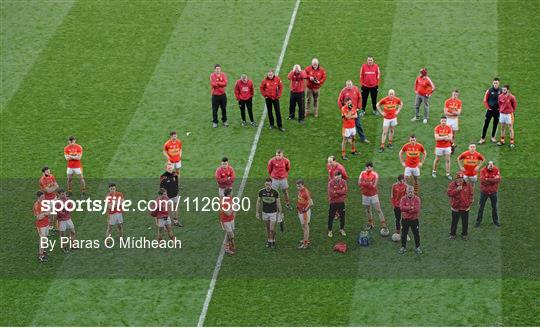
169,182
491,102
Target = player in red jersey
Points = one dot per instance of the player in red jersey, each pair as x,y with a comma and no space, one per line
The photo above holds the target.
64,220
303,208
226,217
348,131
161,215
443,146
73,153
507,107
225,176
48,185
114,200
367,181
415,155
42,223
399,189
278,168
391,106
452,110
332,166
470,162
172,150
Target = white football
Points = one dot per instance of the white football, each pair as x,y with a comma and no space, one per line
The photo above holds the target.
396,237
385,232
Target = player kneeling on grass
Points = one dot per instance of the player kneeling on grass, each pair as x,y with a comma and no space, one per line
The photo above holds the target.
268,209
42,224
367,181
461,195
348,115
410,212
114,201
161,215
303,207
64,221
226,217
443,147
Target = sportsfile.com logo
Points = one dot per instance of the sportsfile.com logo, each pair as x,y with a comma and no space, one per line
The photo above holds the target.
112,204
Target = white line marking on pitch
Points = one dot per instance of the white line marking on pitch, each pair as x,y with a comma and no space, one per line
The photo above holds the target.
217,268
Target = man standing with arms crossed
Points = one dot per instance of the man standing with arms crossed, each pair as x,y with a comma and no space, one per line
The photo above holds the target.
303,208
443,147
42,224
410,213
243,91
399,189
452,110
470,162
226,217
370,77
491,102
423,88
297,86
490,178
49,186
391,106
271,89
114,200
64,220
73,154
218,82
169,181
352,92
316,76
278,168
348,131
507,107
161,215
225,176
172,150
268,209
337,193
461,199
367,181
415,155
332,166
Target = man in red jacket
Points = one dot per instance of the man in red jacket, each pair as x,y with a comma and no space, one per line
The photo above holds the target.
243,91
218,82
399,189
507,107
461,195
370,77
490,178
423,88
278,168
225,176
367,181
337,193
351,91
332,166
410,212
297,86
316,75
271,89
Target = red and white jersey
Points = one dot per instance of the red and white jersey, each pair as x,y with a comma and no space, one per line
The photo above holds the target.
367,181
73,150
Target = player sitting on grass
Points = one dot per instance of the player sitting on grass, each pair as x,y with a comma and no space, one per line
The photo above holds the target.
303,207
161,215
226,217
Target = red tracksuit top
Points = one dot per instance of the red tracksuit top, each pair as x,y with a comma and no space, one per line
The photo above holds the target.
271,88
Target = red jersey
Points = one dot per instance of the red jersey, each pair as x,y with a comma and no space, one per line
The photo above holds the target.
226,204
298,83
352,93
279,168
490,180
370,75
218,82
410,207
271,88
424,86
399,190
507,103
243,90
46,181
64,214
304,197
337,191
470,161
225,176
367,182
460,200
390,106
73,150
115,199
38,209
412,152
332,169
319,73
443,131
162,207
453,106
349,116
173,149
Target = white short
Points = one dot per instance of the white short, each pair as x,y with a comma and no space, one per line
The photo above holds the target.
452,122
280,184
349,133
443,151
176,165
116,218
305,217
472,178
392,122
505,118
174,200
221,191
370,200
414,171
74,170
65,225
43,232
162,222
269,216
228,226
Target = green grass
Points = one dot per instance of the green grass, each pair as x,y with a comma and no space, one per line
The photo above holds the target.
120,75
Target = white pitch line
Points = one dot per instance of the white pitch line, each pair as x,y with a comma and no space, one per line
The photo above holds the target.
217,268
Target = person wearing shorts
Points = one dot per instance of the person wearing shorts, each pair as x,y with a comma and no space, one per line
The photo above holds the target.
443,146
452,110
225,176
279,167
303,208
114,201
73,153
42,224
64,220
172,150
226,217
269,210
507,107
399,189
48,185
389,108
415,155
169,181
470,162
161,215
348,130
367,181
